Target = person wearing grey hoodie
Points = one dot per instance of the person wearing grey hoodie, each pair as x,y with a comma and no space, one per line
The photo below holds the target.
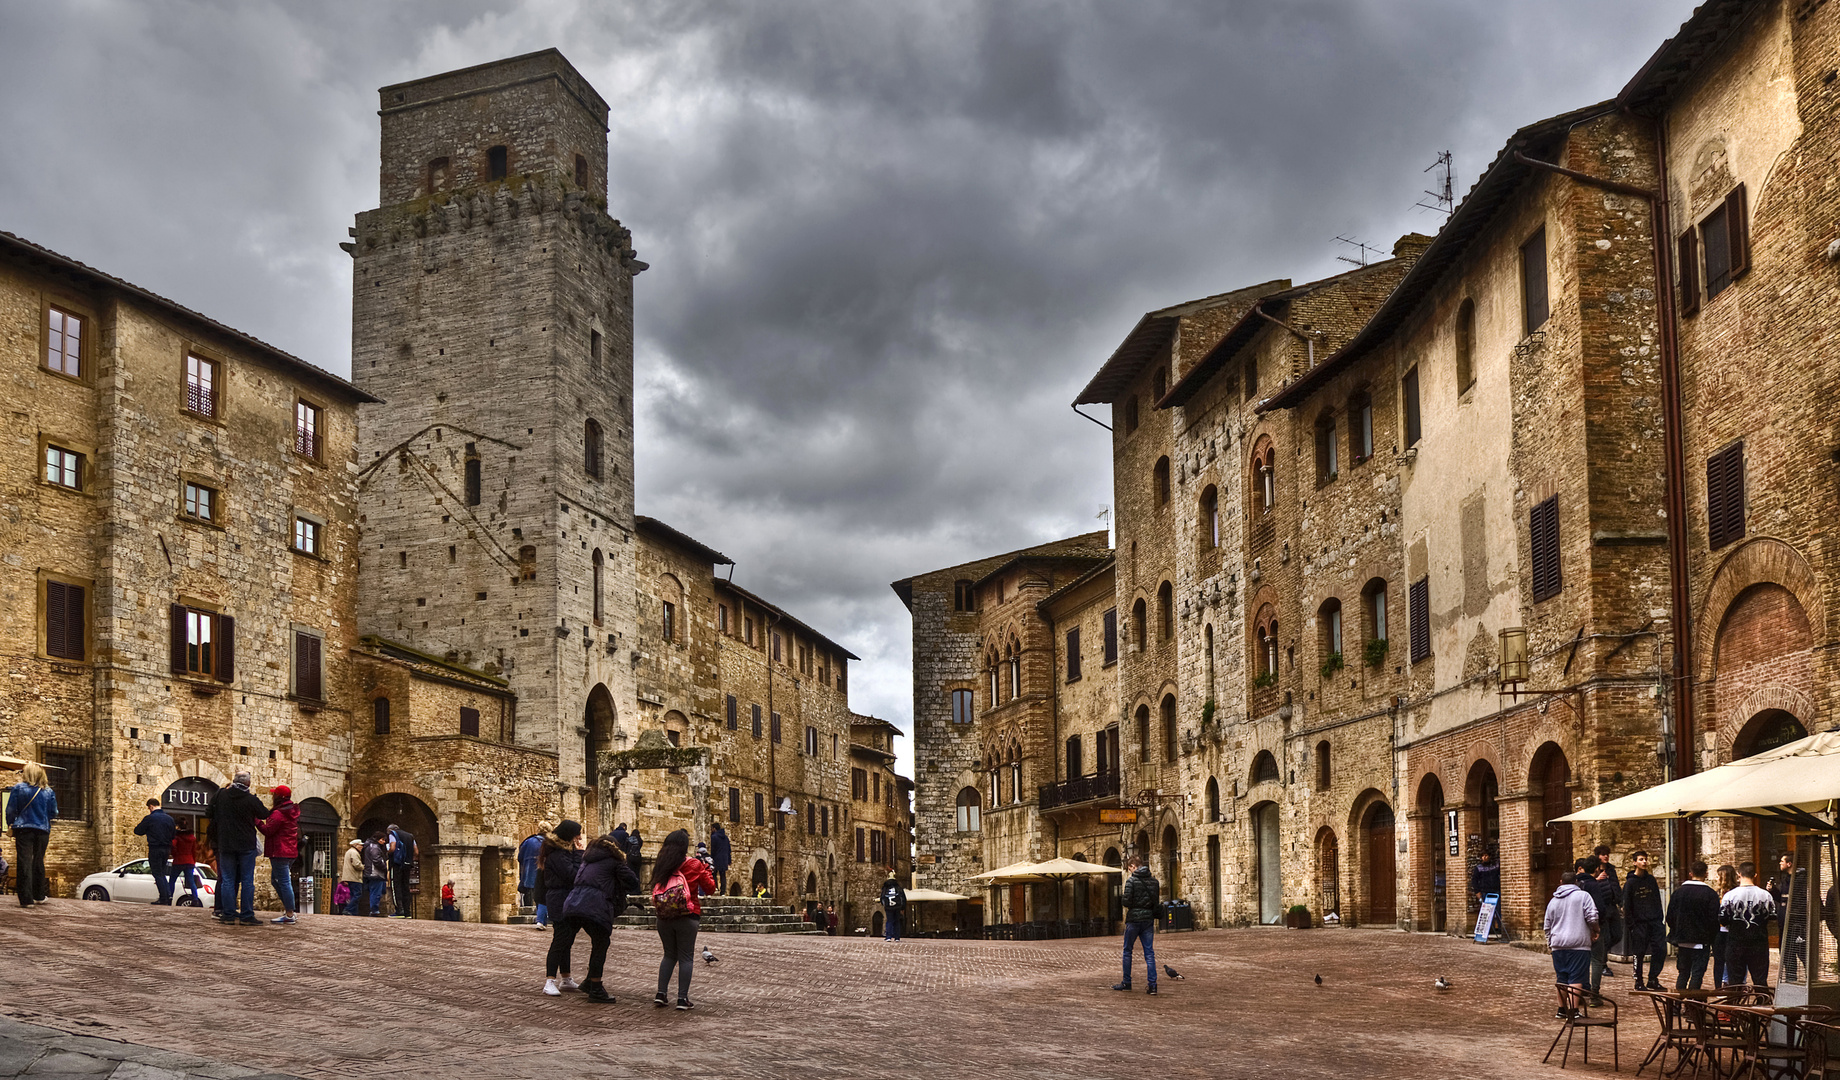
1571,927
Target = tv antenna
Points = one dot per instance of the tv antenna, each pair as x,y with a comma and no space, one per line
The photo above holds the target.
1364,251
1443,197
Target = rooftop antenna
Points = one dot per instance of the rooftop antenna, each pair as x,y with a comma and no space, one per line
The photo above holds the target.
1443,197
1364,250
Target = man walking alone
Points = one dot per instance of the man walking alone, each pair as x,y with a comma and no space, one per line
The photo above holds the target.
1141,895
159,828
894,902
1746,914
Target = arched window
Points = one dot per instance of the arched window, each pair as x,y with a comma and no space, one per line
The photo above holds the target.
1327,465
1466,345
1264,767
1265,633
1160,481
1015,778
1361,426
1264,478
1322,765
1329,622
599,571
1213,800
1143,733
1139,615
1015,671
591,448
1165,611
991,664
968,810
440,174
1169,728
1210,518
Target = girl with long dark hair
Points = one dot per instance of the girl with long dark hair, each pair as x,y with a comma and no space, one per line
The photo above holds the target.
560,859
677,882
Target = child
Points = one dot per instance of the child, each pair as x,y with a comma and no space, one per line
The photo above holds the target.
448,912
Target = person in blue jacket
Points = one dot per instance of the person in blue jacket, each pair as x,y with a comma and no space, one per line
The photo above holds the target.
159,828
527,869
31,806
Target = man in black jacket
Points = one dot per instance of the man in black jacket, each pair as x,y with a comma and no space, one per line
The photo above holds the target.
232,813
1642,908
1693,923
159,828
1485,880
1594,878
1140,914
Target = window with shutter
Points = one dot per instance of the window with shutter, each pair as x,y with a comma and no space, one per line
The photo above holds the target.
1420,613
65,622
1725,496
1073,654
1111,636
1534,303
1686,256
1543,534
308,682
734,806
469,721
754,711
760,808
1408,393
732,708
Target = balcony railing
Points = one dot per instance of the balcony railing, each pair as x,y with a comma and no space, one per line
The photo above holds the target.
1084,789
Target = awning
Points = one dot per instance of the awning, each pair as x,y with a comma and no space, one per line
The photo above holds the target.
917,895
1015,872
1798,782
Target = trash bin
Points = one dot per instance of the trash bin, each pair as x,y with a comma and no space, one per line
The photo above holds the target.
1178,915
306,896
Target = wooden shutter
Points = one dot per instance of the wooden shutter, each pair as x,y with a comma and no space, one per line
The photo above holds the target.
226,649
1687,255
177,622
469,721
1111,636
731,712
64,620
1408,389
306,667
1420,597
1725,496
1543,534
1535,308
734,805
1738,232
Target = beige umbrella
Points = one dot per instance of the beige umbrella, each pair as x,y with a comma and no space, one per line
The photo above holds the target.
919,895
1064,869
1013,874
8,761
1796,782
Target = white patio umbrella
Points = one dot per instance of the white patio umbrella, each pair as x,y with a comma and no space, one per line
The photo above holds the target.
1013,874
915,896
1798,782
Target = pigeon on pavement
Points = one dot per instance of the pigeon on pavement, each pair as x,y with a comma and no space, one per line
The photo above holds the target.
1319,980
708,957
1442,983
1171,972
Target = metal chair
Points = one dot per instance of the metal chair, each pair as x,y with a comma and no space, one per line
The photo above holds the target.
1773,1060
1576,1004
1675,1035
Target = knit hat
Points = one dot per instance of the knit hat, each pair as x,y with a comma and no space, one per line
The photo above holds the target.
567,830
282,790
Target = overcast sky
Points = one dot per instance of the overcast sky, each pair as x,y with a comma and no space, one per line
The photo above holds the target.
889,241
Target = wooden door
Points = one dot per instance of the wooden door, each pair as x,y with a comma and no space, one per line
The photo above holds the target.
1019,903
1382,885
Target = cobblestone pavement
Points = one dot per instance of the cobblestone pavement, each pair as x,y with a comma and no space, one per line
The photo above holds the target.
339,997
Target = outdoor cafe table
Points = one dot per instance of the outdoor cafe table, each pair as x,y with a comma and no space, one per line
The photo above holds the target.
1758,1026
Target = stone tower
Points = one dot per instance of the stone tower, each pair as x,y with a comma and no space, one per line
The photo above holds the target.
492,314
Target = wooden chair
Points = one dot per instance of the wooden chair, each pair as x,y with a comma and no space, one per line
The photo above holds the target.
1716,1040
1580,1017
1772,1060
1821,1037
1675,1034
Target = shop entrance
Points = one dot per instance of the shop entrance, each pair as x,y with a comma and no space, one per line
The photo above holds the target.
319,854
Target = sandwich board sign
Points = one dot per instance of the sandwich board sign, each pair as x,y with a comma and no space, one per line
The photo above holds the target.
1485,918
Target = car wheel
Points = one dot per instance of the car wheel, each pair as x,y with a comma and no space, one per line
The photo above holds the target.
95,892
185,901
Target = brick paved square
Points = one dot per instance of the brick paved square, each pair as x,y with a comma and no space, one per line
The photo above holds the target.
337,997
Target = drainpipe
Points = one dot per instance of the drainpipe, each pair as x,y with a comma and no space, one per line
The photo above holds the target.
1674,454
1309,340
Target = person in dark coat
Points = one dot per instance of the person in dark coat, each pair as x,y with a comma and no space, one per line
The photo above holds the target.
376,874
1693,923
1141,910
281,842
720,855
159,828
1485,880
635,847
599,897
1608,899
560,858
233,812
527,867
1643,913
894,906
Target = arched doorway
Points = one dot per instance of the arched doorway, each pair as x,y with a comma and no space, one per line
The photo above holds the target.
599,721
1114,887
319,851
1171,862
1265,845
1430,882
1550,780
1482,828
1382,868
412,815
187,797
1769,840
1328,873
757,878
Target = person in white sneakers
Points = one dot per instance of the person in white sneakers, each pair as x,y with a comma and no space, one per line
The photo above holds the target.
560,858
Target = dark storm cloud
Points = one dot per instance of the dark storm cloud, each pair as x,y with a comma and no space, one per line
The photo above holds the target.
889,242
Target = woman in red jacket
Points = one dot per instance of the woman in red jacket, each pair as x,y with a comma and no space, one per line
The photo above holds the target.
677,882
281,842
185,857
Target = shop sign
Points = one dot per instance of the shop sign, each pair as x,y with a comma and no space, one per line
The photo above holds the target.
1126,816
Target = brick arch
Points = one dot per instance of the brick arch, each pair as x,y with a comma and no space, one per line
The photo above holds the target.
1777,696
1418,783
194,767
1762,561
1548,730
1481,750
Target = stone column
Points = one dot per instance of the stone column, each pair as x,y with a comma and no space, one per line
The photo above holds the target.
699,802
460,863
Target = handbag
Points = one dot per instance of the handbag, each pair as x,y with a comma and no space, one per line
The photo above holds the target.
671,900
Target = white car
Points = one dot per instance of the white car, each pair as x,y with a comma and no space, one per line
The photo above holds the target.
133,881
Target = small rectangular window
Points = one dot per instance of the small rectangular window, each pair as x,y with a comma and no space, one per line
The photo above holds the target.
1420,614
824,820
734,806
64,343
1543,536
776,653
859,784
594,349
1408,394
1534,302
309,682
760,808
1364,430
498,163
200,385
380,716
731,708
200,643
200,502
722,619
776,727
307,429
859,845
1111,636
811,819
1073,654
748,627
469,721
64,468
472,481
68,775
203,644
1725,496
66,620
670,621
306,536
811,741
755,715
961,707
964,597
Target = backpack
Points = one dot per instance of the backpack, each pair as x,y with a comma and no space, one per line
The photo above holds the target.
405,849
671,900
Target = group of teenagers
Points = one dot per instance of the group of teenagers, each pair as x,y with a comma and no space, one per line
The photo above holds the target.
1724,928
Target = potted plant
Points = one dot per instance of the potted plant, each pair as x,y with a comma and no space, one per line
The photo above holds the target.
1298,917
1376,652
1331,664
1265,679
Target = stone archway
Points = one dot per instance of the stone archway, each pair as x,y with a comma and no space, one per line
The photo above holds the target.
1430,866
1267,861
412,815
600,721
